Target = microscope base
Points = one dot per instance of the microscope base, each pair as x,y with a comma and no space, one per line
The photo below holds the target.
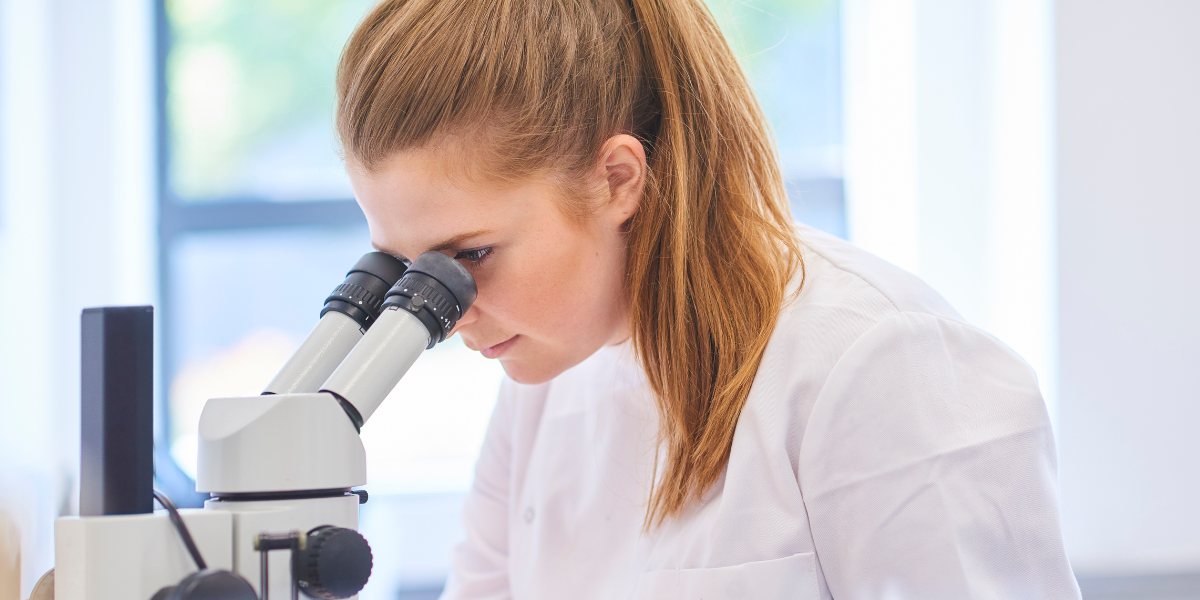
130,557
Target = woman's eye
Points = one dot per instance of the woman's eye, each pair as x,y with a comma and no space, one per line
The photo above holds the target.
475,256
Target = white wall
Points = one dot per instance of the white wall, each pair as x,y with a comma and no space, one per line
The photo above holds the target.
949,156
1039,164
1129,287
76,229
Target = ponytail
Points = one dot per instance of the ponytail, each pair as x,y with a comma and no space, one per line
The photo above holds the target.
711,249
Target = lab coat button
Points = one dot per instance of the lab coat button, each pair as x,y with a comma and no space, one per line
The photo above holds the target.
528,514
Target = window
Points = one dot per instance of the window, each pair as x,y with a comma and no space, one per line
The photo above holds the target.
791,51
258,224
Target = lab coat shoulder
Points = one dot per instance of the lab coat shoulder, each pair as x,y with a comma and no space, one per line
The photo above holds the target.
926,460
865,275
923,386
901,366
842,295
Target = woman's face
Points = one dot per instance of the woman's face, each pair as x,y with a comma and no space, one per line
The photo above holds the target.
551,287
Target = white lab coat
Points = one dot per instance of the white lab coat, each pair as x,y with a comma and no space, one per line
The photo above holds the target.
887,450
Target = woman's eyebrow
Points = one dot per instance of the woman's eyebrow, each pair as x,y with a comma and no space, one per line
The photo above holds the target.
397,255
450,244
456,241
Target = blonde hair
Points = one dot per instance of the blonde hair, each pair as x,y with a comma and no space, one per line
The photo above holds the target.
711,248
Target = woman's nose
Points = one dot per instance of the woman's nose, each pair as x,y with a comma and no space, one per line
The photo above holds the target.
469,318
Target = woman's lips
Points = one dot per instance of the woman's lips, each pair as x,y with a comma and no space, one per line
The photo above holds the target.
499,349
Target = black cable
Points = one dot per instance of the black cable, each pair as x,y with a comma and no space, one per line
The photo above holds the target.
181,527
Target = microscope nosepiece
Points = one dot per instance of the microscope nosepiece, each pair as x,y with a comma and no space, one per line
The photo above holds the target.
437,290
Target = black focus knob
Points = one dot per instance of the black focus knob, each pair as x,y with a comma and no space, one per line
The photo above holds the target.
335,563
209,584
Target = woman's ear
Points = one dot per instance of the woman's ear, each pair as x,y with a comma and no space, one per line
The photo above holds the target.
623,166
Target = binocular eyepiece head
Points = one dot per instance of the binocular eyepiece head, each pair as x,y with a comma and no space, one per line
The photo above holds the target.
374,326
435,288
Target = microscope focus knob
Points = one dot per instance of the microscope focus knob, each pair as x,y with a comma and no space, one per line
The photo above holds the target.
335,563
209,584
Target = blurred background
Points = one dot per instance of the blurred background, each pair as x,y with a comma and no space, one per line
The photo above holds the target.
1033,160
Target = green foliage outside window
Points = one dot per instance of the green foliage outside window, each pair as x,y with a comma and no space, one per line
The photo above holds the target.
250,90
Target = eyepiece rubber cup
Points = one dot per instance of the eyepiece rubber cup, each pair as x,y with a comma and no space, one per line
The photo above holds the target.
361,295
437,290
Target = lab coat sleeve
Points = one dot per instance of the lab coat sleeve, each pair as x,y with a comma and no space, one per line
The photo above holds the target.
928,470
479,569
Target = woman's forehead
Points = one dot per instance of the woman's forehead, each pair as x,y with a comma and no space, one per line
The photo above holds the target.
411,208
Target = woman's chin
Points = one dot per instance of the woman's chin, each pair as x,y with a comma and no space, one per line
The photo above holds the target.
532,370
522,372
530,364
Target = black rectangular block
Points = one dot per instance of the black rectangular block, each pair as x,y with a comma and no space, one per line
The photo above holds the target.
116,468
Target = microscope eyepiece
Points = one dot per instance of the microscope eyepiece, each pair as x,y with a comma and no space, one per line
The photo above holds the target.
361,295
349,311
437,290
418,312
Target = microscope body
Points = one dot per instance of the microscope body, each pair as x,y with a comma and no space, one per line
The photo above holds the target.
280,467
274,463
279,463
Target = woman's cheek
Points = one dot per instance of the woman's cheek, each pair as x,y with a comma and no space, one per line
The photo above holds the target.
507,288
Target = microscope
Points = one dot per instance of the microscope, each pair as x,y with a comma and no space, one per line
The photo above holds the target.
282,467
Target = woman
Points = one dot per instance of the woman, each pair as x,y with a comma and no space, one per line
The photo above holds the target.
702,400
